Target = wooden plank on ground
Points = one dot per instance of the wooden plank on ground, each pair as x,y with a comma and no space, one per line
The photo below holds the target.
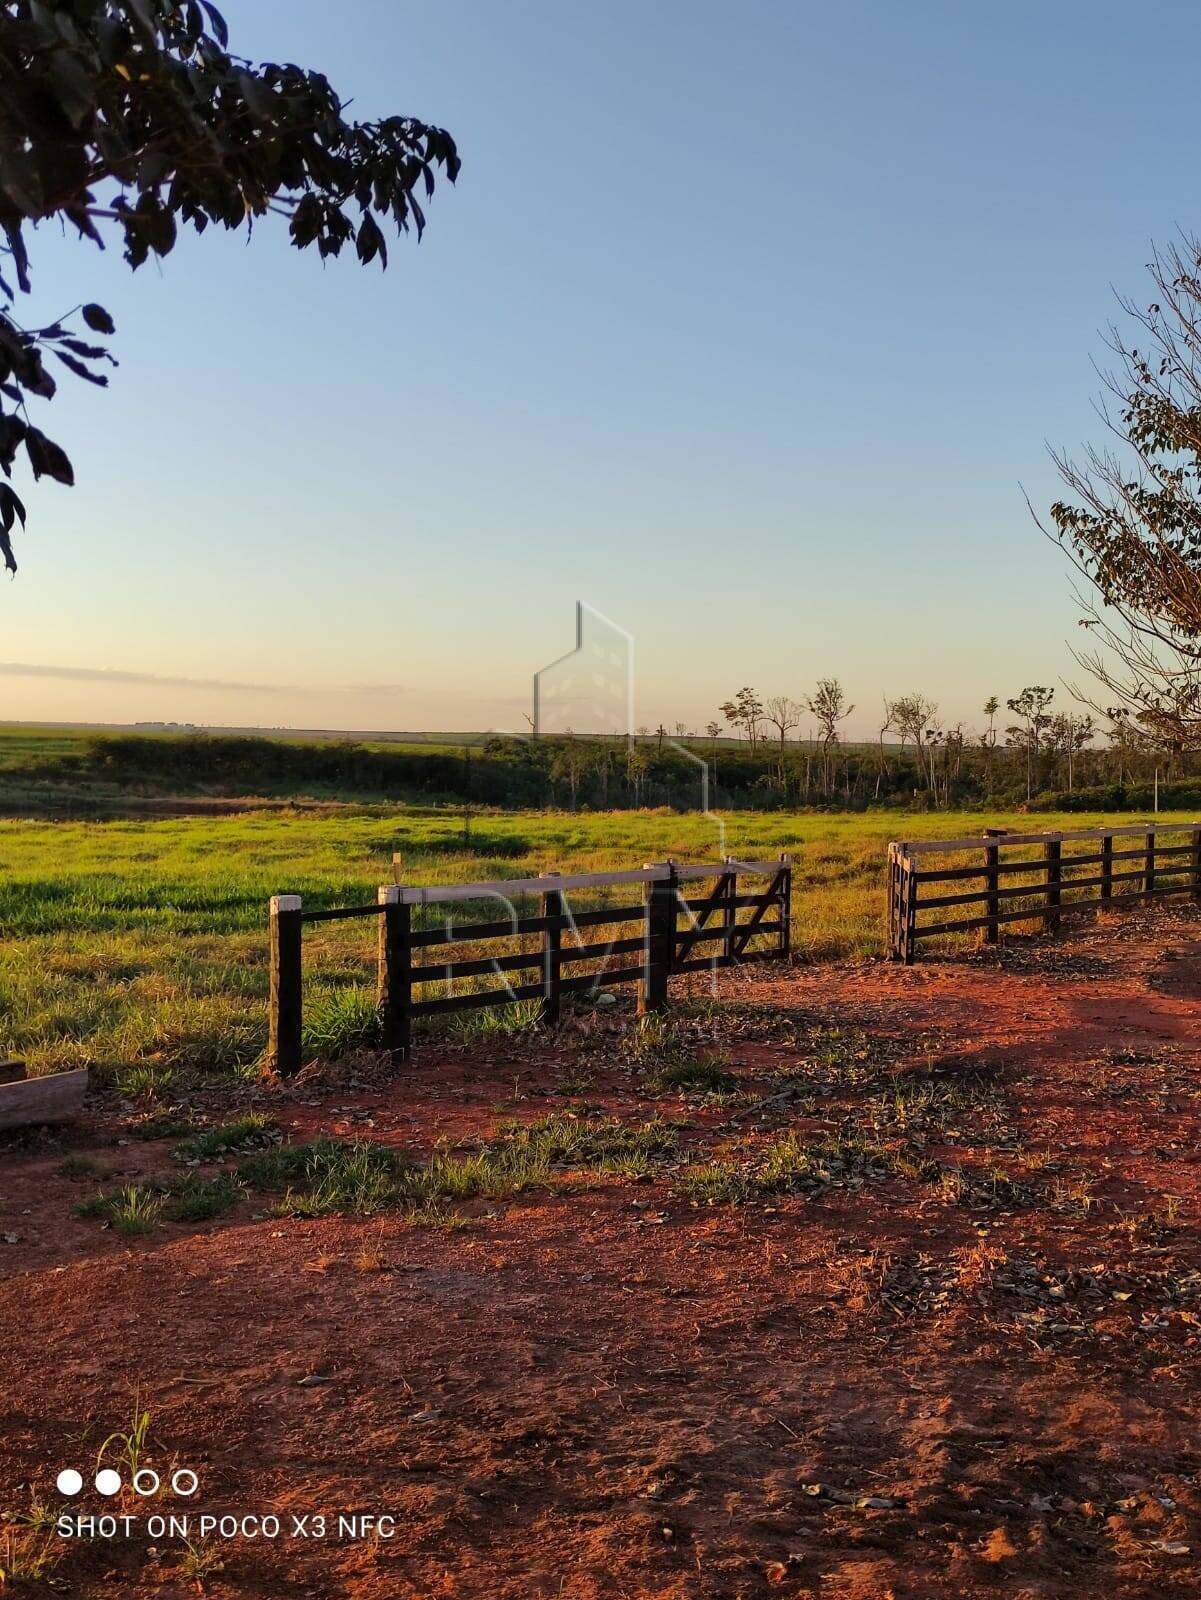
55,1098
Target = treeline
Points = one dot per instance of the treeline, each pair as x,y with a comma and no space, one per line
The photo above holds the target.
645,770
1025,753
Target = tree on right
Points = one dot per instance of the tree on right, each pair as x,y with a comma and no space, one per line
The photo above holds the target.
1132,524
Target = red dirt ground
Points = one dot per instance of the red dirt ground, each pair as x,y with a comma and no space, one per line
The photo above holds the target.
610,1391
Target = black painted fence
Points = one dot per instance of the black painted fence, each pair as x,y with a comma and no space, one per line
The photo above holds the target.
1017,886
668,930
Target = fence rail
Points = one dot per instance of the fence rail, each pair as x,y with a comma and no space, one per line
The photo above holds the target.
671,930
1034,888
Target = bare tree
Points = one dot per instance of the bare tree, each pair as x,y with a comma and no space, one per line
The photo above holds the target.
1067,735
637,763
1124,740
570,763
1031,706
887,724
913,717
828,703
784,715
928,748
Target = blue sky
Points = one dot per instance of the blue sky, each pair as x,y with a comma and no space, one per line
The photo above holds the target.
744,325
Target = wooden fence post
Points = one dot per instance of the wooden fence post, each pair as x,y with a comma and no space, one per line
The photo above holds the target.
992,884
1149,862
893,902
906,904
1107,868
552,944
1052,851
660,894
284,927
1196,872
786,907
394,991
729,915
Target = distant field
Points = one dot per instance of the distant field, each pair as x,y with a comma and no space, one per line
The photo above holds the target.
141,945
25,744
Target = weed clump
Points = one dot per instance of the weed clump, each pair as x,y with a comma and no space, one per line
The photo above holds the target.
338,1019
136,1208
669,1053
706,1075
792,1164
333,1175
247,1133
491,1022
202,1199
129,1211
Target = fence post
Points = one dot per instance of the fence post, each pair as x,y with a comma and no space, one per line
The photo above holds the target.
729,915
660,894
1052,852
992,883
1196,872
906,903
1107,867
786,907
552,944
1149,862
394,989
284,929
894,889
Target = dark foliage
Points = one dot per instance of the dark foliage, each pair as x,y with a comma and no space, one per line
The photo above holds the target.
1132,527
133,115
598,774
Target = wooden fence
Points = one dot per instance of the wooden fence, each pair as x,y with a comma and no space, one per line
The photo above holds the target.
1038,887
671,929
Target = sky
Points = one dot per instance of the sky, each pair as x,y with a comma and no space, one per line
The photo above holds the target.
746,326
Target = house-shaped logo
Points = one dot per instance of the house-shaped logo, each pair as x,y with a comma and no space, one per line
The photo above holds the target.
591,688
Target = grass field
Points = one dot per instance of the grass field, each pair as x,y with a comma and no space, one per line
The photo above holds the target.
139,948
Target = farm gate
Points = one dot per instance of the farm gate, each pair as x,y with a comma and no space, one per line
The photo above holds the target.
1026,877
431,964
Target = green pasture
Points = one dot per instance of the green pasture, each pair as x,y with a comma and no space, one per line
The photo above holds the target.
139,947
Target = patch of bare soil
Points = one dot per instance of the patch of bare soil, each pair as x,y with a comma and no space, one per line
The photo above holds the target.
960,1358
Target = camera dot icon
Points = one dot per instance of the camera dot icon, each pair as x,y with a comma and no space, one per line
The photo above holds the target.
146,1482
